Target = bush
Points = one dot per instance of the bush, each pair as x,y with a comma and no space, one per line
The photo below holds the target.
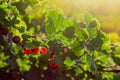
32,36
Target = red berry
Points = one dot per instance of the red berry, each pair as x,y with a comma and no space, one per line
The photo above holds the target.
4,31
35,50
52,55
53,65
65,51
16,39
27,51
43,50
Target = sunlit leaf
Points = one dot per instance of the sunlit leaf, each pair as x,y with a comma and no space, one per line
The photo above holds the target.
69,63
15,10
21,29
87,17
78,70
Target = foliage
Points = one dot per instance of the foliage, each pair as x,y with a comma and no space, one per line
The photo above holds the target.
74,47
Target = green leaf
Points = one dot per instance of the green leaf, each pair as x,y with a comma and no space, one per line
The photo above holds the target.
3,6
116,56
15,0
24,64
93,24
77,70
100,58
69,63
55,45
91,63
76,47
2,13
87,17
59,20
117,50
21,29
69,32
60,23
66,41
116,59
50,29
93,32
31,31
96,43
15,21
29,44
108,76
81,33
15,10
106,45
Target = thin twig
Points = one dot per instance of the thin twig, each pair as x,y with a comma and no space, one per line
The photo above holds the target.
114,71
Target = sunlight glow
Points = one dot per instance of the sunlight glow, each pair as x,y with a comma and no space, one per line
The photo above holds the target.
106,11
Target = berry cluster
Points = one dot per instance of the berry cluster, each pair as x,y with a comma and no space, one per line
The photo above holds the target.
43,51
5,31
54,65
35,50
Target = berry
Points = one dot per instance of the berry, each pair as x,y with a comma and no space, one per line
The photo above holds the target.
35,50
65,51
27,51
4,31
52,55
30,51
53,65
16,39
43,50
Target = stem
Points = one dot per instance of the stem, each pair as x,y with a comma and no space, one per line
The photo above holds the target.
114,71
88,39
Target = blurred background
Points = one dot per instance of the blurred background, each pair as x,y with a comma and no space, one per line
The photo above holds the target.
106,11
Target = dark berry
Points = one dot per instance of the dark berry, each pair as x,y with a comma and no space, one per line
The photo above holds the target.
4,31
16,39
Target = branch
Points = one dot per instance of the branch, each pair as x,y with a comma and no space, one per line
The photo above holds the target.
115,71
